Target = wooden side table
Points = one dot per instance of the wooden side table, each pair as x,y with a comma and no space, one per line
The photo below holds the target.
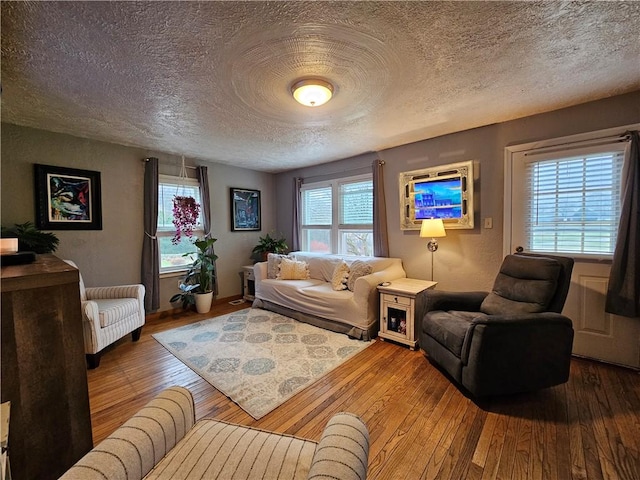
248,283
398,307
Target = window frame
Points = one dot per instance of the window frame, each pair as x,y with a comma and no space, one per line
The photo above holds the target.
335,228
560,147
169,232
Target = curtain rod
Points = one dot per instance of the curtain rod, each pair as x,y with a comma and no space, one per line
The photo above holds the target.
169,163
624,137
330,176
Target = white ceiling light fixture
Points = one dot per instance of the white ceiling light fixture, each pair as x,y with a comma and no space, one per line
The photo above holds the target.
312,92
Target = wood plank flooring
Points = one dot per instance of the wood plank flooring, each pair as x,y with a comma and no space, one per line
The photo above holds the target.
421,425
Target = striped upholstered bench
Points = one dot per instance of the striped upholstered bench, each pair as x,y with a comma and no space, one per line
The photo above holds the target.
163,441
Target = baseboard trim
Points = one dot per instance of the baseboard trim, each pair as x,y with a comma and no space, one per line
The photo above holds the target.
173,312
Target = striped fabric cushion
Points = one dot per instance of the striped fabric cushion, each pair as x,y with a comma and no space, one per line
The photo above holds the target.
343,451
116,310
134,448
215,449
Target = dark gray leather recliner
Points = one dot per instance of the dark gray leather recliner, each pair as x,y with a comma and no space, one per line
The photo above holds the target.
510,340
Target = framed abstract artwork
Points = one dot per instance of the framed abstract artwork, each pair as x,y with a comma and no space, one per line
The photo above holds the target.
67,198
245,209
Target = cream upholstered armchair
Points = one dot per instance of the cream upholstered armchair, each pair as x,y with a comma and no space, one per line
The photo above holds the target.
109,313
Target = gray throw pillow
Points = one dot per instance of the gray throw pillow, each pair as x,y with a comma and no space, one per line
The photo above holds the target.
273,264
357,269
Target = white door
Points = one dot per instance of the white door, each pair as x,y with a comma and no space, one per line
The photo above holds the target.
598,334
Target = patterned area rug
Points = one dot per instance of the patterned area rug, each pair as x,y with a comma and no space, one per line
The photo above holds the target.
259,359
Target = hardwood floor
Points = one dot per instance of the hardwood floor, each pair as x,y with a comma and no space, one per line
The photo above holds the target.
421,425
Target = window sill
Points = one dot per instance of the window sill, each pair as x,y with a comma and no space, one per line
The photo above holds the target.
174,273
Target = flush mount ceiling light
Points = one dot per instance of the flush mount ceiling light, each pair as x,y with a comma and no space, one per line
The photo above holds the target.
312,92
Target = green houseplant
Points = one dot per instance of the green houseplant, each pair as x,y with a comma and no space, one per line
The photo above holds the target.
31,239
197,286
268,244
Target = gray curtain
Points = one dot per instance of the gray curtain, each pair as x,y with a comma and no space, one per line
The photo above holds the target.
380,235
150,252
623,295
205,200
295,237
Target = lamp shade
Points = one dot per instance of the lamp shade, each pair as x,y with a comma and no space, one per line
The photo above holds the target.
312,92
432,228
8,245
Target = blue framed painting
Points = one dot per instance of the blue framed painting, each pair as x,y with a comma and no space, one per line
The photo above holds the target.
245,209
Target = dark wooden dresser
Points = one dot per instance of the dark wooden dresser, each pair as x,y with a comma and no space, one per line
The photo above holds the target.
44,373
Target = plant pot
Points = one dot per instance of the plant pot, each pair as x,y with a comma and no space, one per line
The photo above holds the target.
203,301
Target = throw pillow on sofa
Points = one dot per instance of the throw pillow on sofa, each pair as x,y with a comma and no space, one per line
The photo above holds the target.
273,264
340,276
358,269
293,270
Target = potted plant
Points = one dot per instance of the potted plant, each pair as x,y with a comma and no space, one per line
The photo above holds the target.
31,238
268,244
197,286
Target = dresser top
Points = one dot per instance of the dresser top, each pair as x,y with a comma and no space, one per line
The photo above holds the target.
46,270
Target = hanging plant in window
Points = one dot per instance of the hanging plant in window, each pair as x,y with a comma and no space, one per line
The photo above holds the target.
185,212
185,217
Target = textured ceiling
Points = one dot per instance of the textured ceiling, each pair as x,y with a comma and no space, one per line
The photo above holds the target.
211,80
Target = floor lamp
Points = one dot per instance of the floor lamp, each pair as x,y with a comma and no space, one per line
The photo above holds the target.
432,228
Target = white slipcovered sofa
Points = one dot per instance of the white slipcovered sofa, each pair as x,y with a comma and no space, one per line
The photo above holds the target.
313,300
163,441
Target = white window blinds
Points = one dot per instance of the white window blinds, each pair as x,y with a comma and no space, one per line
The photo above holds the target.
316,206
337,216
574,201
356,203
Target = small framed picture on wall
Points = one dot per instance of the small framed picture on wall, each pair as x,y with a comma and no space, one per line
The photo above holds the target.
245,209
67,198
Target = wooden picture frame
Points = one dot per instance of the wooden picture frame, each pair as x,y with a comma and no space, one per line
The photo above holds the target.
245,209
67,198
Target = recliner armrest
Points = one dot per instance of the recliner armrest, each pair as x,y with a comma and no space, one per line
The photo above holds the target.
432,300
534,319
530,332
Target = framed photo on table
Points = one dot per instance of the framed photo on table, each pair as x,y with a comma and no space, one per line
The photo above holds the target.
67,198
245,209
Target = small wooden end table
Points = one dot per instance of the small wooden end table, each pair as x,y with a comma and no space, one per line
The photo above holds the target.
398,306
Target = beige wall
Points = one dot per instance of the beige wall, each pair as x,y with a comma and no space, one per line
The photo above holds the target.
466,259
111,256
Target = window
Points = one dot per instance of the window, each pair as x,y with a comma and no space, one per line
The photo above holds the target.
337,216
572,202
171,256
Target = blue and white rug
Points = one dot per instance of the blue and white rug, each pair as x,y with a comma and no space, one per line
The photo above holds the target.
259,359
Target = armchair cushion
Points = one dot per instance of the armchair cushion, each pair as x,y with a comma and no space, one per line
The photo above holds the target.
524,285
114,310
